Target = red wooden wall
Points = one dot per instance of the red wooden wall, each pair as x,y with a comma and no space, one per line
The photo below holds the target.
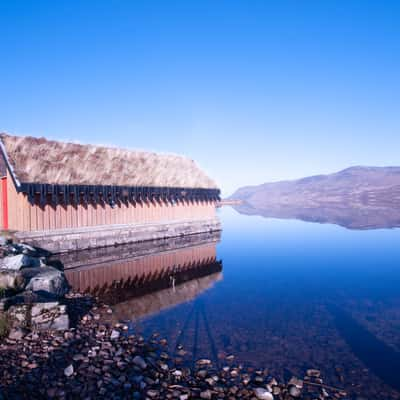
22,216
3,204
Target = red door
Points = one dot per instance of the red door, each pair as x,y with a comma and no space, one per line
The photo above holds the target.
5,202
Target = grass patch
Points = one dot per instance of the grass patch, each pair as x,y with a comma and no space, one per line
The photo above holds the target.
4,325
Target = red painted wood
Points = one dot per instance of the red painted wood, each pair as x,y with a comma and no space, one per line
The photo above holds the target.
5,202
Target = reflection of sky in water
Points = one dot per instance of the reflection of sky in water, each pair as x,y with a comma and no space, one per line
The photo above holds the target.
296,295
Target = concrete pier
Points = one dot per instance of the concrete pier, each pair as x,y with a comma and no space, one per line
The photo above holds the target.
64,240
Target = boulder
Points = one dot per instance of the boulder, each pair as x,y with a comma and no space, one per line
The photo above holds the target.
28,250
10,279
19,261
49,315
46,316
46,281
41,308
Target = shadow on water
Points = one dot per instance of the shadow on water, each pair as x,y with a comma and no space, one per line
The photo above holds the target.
198,313
377,356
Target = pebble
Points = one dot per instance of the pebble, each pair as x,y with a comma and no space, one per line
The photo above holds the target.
206,394
139,361
314,373
102,362
69,371
263,394
114,334
294,391
152,393
296,382
203,361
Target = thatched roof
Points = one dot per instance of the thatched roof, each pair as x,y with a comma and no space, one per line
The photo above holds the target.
38,160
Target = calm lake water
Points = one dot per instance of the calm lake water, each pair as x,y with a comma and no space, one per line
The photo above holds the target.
291,295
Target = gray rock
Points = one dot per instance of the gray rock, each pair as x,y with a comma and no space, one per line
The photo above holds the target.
10,279
263,394
47,280
27,249
140,362
20,261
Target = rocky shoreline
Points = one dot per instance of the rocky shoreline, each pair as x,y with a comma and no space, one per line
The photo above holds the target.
98,360
31,291
60,345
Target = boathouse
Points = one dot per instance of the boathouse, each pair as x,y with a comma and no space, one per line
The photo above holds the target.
66,196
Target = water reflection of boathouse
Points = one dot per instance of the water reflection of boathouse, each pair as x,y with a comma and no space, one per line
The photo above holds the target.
144,278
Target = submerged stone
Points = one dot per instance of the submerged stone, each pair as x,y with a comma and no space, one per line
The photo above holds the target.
263,394
140,362
69,371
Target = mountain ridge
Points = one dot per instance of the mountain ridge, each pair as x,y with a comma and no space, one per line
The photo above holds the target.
356,197
350,180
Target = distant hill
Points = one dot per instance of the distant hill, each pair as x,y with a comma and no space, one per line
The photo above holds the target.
357,197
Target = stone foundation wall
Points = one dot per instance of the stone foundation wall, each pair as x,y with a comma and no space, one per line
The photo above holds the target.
64,240
91,258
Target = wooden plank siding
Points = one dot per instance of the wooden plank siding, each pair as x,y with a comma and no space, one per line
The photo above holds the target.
3,204
22,216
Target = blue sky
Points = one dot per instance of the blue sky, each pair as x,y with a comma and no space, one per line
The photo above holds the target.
254,91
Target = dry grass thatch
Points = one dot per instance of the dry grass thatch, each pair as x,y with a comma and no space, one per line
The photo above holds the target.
45,161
